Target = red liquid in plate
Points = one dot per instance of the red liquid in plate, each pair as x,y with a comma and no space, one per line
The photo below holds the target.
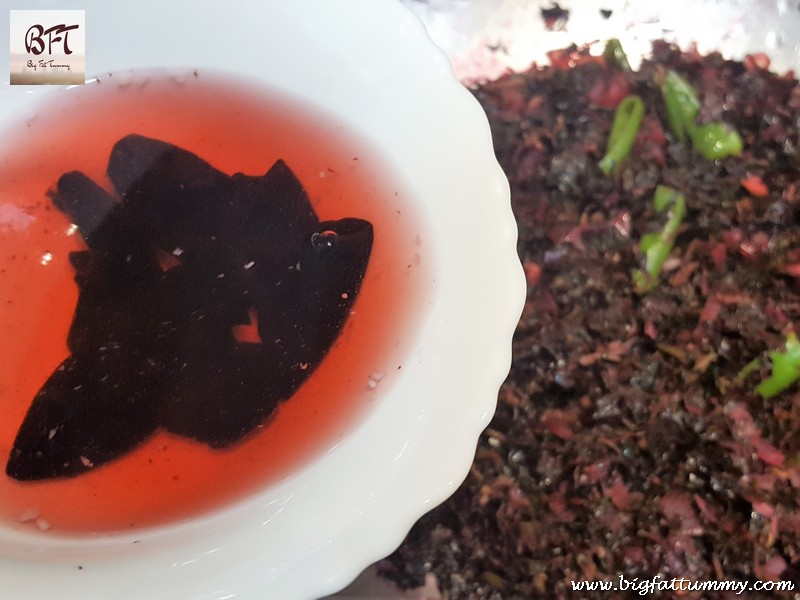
236,129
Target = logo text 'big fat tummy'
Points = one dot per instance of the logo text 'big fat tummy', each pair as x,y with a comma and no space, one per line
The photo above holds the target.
48,47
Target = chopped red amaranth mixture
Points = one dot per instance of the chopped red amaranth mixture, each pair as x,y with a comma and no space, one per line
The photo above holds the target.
650,425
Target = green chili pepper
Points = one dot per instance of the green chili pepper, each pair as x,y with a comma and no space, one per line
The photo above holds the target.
627,121
662,199
747,370
715,140
681,102
657,246
615,55
785,368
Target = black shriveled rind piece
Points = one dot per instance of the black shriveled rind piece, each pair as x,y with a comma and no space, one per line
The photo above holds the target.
299,317
180,257
81,418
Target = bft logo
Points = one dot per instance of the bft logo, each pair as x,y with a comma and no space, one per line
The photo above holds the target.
47,47
35,43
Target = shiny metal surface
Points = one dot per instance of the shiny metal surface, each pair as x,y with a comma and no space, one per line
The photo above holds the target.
483,38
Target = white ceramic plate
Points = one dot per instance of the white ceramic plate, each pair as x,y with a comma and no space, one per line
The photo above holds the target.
372,65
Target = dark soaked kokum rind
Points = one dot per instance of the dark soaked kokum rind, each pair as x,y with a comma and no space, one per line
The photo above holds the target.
180,257
629,440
